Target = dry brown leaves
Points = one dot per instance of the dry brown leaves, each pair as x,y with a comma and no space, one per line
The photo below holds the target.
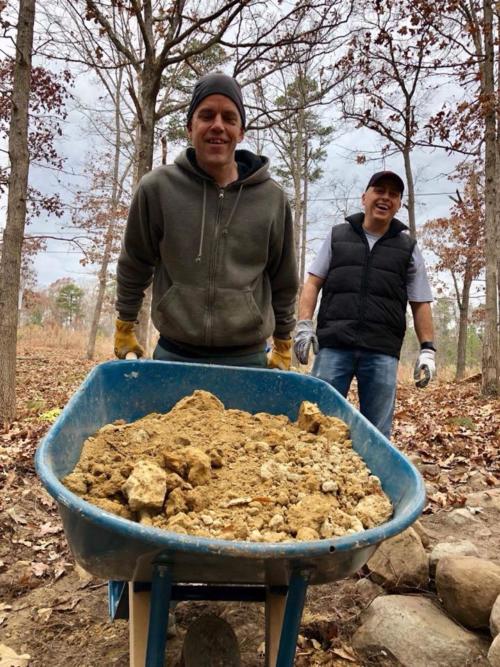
456,434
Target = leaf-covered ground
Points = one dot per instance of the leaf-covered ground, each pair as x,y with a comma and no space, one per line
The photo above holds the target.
54,612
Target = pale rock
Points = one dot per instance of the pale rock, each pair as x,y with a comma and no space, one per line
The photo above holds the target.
175,462
477,481
400,562
468,588
310,512
198,464
76,482
272,470
176,502
417,634
373,510
310,417
461,516
494,652
329,486
146,487
495,618
276,522
489,499
422,533
442,549
368,590
207,519
306,534
199,400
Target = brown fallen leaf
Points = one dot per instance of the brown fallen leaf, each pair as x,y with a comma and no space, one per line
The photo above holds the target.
344,652
39,569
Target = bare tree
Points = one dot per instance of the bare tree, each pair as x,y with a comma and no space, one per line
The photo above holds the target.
300,139
16,208
458,242
470,27
391,55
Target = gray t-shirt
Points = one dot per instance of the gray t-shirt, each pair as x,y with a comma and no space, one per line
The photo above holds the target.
417,284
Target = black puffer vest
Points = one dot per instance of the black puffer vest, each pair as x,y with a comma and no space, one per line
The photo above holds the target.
364,295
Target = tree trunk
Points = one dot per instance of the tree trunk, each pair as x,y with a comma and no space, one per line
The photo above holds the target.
463,323
16,209
101,289
490,340
305,178
411,191
145,149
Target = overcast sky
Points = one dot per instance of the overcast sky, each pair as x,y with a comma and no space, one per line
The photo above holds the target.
341,175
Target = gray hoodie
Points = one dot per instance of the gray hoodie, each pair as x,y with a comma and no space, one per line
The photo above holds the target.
222,260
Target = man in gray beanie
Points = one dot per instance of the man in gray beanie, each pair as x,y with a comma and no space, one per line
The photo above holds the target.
214,234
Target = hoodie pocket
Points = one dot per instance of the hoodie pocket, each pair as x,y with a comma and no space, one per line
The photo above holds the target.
235,319
181,312
230,317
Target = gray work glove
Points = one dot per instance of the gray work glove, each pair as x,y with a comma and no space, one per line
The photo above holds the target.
305,336
425,368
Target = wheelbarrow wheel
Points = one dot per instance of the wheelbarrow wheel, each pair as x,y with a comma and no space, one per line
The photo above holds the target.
210,642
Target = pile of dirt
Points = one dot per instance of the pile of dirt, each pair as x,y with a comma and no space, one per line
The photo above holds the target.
203,470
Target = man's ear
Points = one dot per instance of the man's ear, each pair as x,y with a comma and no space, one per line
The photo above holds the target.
241,136
363,199
189,129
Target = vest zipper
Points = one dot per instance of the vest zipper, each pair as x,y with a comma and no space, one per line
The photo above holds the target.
364,285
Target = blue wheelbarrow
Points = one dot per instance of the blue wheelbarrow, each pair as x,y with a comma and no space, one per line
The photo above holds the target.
149,568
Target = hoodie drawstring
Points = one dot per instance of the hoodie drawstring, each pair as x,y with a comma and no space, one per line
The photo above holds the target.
203,215
224,231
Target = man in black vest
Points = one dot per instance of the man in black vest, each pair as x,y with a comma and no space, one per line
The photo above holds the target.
368,269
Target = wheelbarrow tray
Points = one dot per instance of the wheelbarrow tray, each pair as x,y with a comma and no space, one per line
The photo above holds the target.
115,548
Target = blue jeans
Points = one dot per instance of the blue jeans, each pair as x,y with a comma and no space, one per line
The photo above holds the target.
376,375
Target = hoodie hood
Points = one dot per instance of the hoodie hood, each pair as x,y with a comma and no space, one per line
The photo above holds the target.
252,169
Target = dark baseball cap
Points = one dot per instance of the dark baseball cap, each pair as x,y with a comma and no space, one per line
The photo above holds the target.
217,84
389,175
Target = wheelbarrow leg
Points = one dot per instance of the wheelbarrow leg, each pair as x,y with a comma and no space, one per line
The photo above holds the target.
275,610
148,620
293,613
139,604
161,592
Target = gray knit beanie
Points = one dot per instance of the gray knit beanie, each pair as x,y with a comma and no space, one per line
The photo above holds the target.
217,84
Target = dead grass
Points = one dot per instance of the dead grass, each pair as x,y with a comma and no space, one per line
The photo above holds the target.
55,337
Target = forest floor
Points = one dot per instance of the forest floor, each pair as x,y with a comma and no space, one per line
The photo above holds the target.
55,613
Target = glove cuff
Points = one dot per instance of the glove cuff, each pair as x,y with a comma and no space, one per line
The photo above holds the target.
282,345
124,327
428,345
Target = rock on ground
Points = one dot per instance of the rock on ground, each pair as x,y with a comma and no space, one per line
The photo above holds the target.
417,633
468,588
442,549
494,652
495,618
400,562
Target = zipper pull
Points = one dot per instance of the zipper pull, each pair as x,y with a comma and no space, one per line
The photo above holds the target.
221,194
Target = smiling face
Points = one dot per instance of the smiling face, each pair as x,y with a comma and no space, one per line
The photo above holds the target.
381,203
215,130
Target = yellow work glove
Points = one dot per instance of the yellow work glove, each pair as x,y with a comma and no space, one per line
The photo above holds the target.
280,355
125,340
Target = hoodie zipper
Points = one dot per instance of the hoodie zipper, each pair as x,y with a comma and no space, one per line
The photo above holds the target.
212,270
